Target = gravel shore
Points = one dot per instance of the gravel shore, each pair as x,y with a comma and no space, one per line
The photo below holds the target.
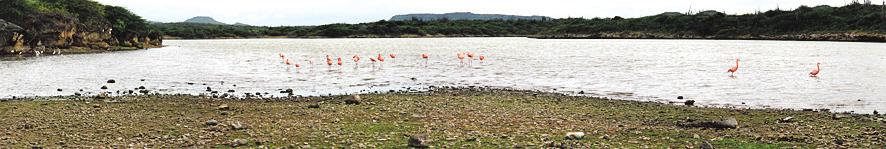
443,118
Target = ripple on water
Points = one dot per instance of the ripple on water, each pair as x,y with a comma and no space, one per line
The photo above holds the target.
628,69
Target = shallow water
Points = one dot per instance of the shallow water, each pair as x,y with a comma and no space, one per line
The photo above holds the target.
772,73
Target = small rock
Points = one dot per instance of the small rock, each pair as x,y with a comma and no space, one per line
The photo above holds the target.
144,91
604,137
141,87
230,91
102,95
876,113
112,81
418,141
142,80
314,106
575,135
223,107
353,100
78,94
211,122
237,126
719,124
96,106
58,90
689,102
839,116
581,92
807,109
224,113
104,87
208,89
679,97
239,142
286,91
786,119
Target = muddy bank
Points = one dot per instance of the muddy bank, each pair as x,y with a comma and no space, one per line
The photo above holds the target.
442,118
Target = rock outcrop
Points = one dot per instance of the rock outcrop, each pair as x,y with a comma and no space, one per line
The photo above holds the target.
11,38
76,26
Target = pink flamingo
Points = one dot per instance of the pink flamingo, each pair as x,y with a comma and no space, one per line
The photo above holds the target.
339,63
286,61
482,58
425,56
380,58
461,57
733,69
815,71
392,55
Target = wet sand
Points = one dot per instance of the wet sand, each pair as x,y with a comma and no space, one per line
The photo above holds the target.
442,118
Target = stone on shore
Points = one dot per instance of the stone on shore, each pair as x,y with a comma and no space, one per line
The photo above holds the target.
353,100
575,135
211,122
418,141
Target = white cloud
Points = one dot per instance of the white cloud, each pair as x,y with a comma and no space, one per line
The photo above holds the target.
313,12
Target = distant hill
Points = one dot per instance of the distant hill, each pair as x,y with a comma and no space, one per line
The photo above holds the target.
204,20
464,16
241,24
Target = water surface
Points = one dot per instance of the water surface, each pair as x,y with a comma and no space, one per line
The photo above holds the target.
772,73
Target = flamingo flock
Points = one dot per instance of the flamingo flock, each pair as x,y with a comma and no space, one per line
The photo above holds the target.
734,69
379,59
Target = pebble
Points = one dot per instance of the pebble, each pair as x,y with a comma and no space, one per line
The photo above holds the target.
223,107
679,97
314,106
418,141
575,135
786,119
104,87
353,100
230,91
239,142
689,102
839,116
141,87
59,90
237,126
211,122
144,91
208,89
112,81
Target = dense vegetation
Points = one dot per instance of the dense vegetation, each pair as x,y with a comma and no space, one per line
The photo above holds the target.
43,18
853,18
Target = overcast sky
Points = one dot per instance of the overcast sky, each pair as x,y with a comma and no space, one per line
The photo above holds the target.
316,12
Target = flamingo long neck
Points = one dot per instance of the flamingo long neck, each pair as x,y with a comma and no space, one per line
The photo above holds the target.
818,67
736,63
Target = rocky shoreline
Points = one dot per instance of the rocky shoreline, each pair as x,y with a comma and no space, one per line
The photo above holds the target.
63,36
440,118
